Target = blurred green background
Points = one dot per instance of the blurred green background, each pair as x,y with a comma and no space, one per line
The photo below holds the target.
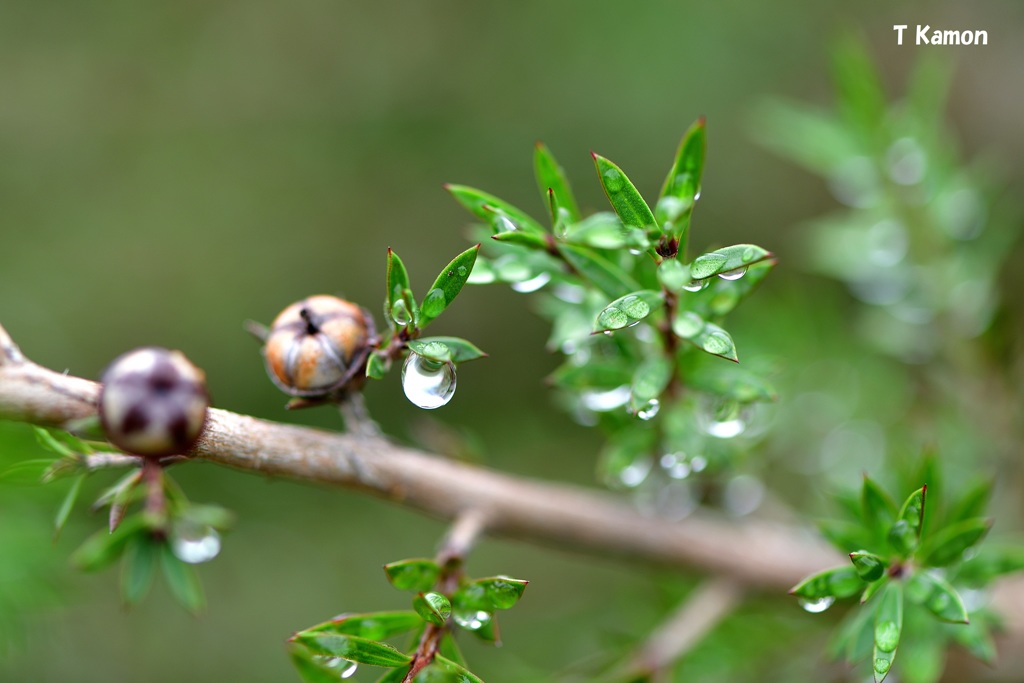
172,169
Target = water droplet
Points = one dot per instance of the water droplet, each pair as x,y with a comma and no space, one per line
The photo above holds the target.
733,274
344,667
603,401
533,284
717,343
887,636
687,325
635,307
675,465
462,271
649,409
571,294
881,665
671,207
428,384
607,333
697,195
907,162
195,543
471,620
503,224
434,303
724,420
612,318
696,285
707,265
612,180
748,255
634,474
817,606
634,252
400,313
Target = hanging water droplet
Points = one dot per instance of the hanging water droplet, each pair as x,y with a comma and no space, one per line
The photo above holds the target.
724,420
400,313
696,285
343,667
503,224
533,284
195,543
612,180
733,274
634,252
471,620
428,384
697,195
817,606
634,474
649,409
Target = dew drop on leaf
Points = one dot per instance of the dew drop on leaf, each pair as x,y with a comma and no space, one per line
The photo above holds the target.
634,307
649,409
195,543
696,285
400,313
817,606
428,384
733,274
612,180
471,620
532,284
612,318
717,343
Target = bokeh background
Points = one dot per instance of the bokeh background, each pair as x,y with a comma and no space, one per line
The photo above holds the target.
171,169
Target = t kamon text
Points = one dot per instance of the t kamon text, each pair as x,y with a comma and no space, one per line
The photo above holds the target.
926,36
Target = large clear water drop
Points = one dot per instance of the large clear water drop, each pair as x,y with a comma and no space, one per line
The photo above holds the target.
195,543
817,606
428,384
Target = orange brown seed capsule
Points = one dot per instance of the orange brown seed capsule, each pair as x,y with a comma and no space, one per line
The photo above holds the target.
317,345
153,402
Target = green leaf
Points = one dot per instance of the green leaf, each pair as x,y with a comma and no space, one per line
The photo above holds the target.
843,534
447,286
393,676
706,336
948,544
458,350
400,303
625,199
604,275
523,239
416,575
604,231
68,504
729,261
26,472
888,625
673,275
855,636
728,380
593,375
371,625
183,581
551,176
435,350
313,668
103,548
465,676
499,592
937,596
861,98
352,648
681,188
50,442
450,650
138,567
878,508
922,658
905,532
839,582
991,562
873,588
377,365
483,205
973,503
869,567
433,607
628,310
207,515
651,378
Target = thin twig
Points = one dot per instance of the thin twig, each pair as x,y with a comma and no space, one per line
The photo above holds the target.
695,617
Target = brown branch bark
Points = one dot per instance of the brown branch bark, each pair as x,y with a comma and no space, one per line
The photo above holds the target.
754,553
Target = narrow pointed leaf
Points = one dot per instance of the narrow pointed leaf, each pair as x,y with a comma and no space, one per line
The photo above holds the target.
727,260
377,366
628,310
352,648
869,567
523,239
973,503
878,507
183,581
937,596
604,231
138,568
372,625
948,545
483,204
905,532
459,350
311,670
417,575
872,589
624,197
888,628
681,188
447,286
450,650
843,534
401,304
978,640
47,440
103,548
721,296
839,582
499,592
604,275
992,561
465,676
67,504
551,176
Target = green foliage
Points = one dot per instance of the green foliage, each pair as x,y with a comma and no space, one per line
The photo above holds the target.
904,571
633,315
